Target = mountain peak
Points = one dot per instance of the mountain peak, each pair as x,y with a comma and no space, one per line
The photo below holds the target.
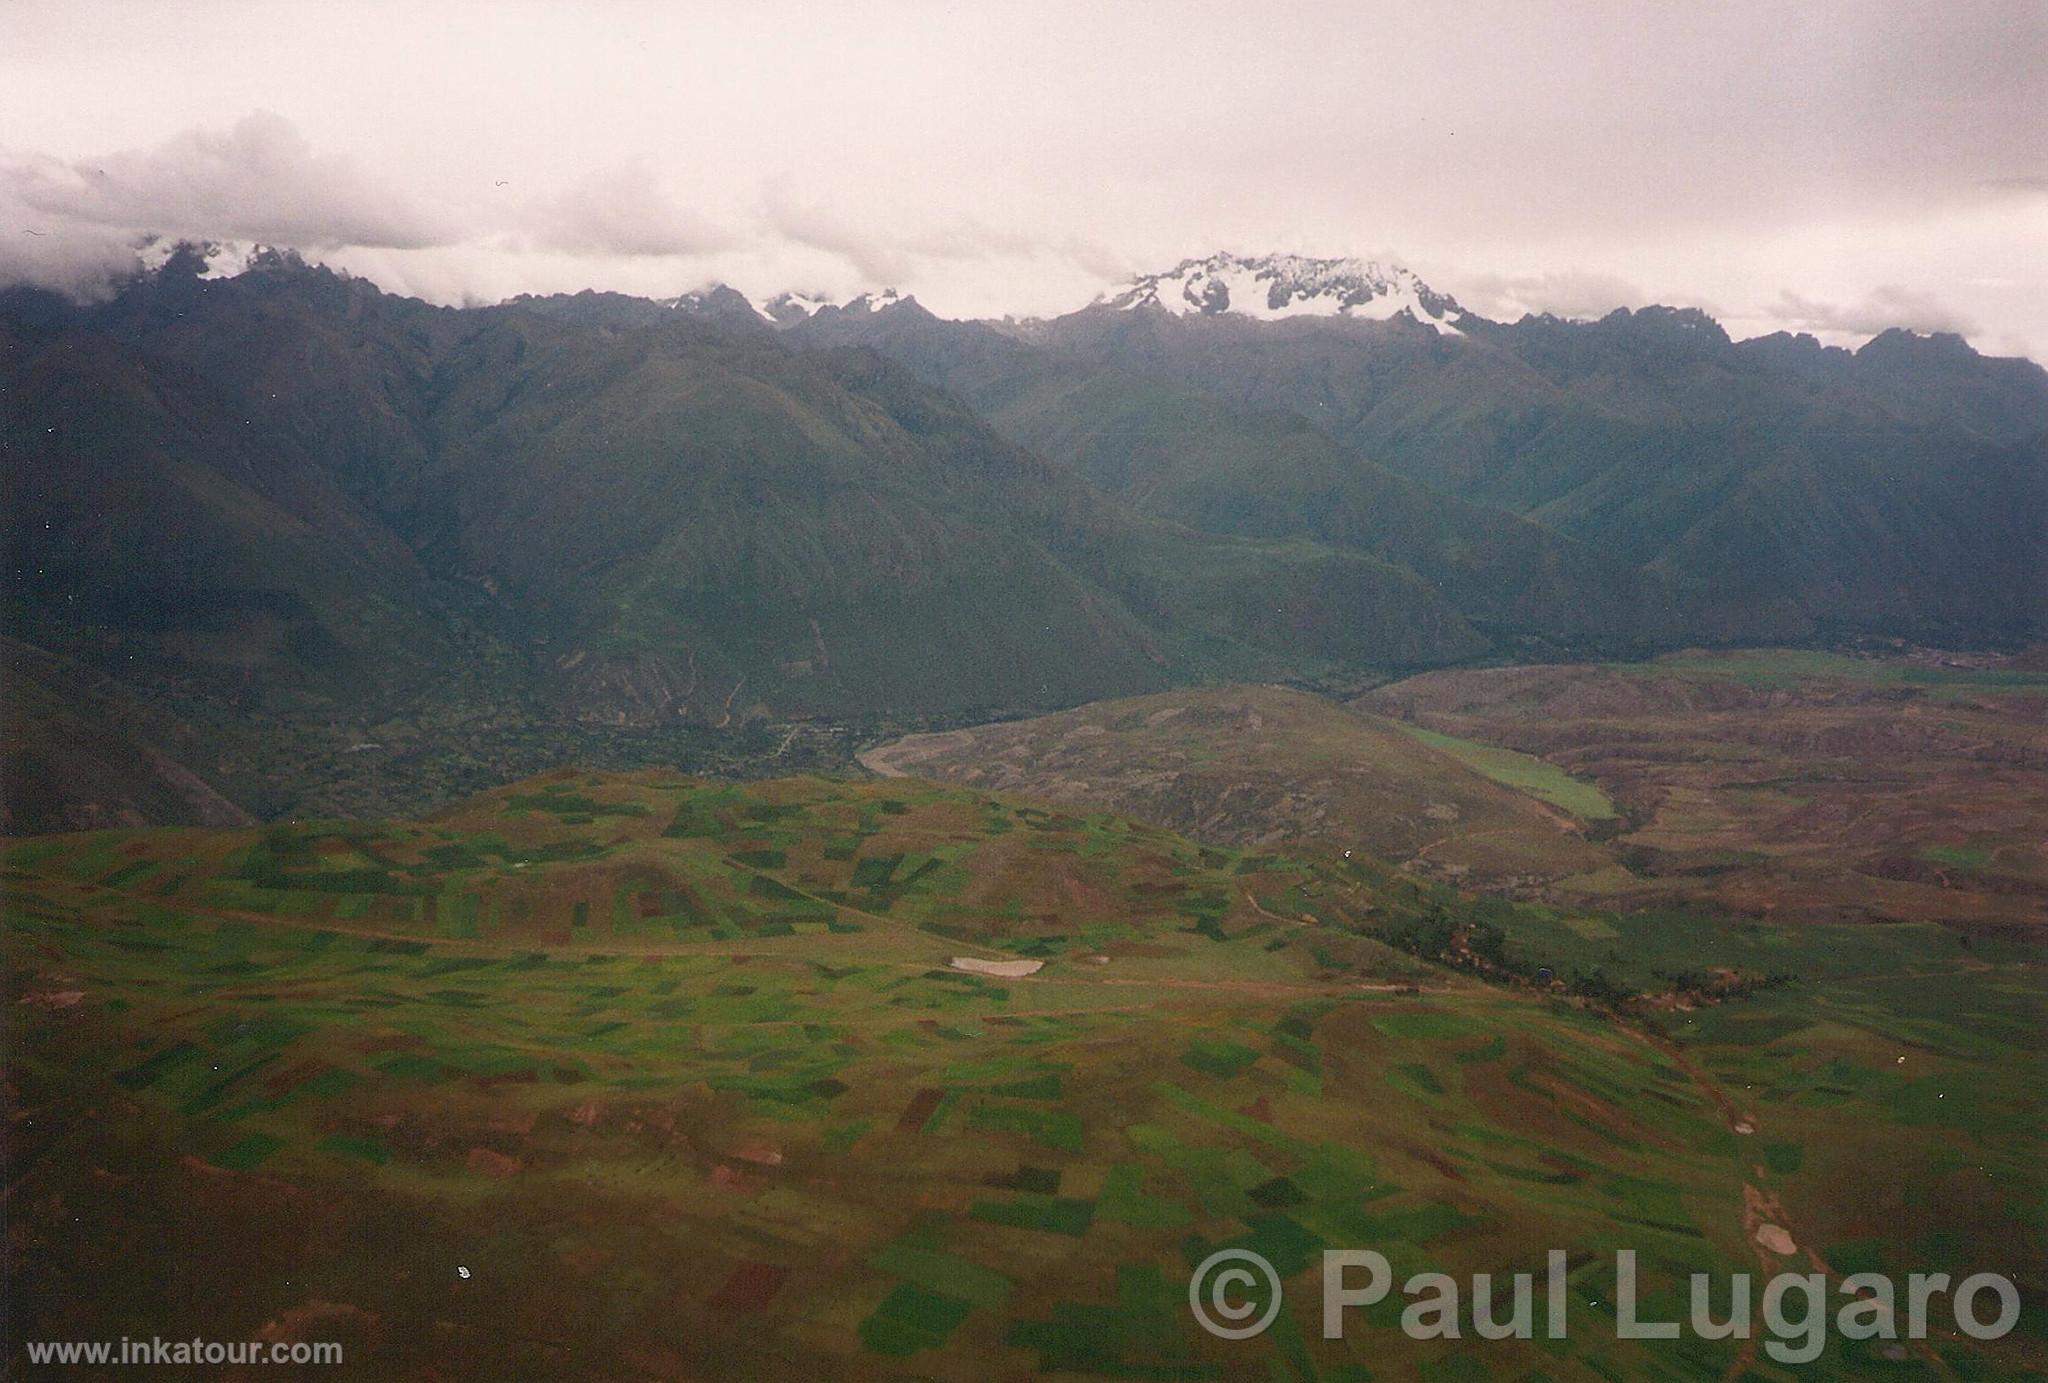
1668,323
1274,287
784,309
212,259
715,300
878,302
787,309
1904,343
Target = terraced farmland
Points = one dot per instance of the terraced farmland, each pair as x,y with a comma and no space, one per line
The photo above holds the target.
626,1077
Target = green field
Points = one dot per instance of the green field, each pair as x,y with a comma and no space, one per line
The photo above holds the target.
1524,773
744,1117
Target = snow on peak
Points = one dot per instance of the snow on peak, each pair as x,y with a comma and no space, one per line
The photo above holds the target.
1272,288
717,300
222,259
786,308
875,302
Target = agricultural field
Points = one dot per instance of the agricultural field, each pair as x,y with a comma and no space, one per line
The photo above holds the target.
604,1076
1785,783
1524,773
1790,782
1272,766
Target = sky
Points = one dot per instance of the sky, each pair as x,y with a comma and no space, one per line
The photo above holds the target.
1835,166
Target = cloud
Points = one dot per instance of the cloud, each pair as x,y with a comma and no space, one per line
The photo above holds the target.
1567,293
623,211
902,255
876,257
1889,305
74,224
1009,167
258,180
2017,186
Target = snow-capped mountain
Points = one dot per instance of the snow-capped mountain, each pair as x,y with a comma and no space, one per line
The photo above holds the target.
876,302
221,259
786,308
1275,287
713,300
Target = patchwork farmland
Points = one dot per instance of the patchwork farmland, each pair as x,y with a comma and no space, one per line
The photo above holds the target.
630,1076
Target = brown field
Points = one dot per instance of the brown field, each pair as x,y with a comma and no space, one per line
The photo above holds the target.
1797,785
1793,784
1262,766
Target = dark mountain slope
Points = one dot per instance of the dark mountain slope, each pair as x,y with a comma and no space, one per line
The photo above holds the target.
828,529
158,529
341,369
1787,489
289,495
78,753
1176,452
676,514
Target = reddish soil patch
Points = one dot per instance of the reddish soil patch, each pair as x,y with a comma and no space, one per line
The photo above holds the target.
750,1288
1135,950
292,1077
1437,1160
733,1179
390,1042
922,1106
586,1258
493,1164
758,1151
1827,798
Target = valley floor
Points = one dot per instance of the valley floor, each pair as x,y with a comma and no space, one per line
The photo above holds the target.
634,1077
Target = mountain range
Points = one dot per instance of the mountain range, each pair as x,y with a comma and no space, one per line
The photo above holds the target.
252,499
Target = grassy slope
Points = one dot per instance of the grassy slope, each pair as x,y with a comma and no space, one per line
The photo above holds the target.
1242,765
1799,782
664,509
301,516
675,1071
1783,494
1524,773
1173,452
76,753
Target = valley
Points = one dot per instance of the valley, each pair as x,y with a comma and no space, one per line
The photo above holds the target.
617,837
607,1075
260,518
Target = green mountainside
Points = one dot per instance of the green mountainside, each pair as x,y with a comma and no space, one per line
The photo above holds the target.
289,496
1174,451
348,540
1785,488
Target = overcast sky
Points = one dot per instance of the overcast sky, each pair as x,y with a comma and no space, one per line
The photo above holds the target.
1824,166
